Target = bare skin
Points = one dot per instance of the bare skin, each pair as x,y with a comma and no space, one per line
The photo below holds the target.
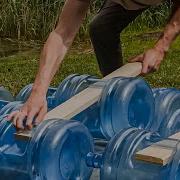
56,47
152,58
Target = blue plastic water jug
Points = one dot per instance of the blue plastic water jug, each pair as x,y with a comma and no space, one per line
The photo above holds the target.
52,153
5,94
124,102
167,103
119,158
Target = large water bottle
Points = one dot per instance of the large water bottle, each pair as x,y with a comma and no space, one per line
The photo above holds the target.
124,102
71,86
5,94
119,159
64,150
3,103
25,92
52,152
167,106
10,107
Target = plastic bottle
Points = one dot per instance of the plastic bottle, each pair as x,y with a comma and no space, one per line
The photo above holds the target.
124,102
5,94
52,153
167,103
119,159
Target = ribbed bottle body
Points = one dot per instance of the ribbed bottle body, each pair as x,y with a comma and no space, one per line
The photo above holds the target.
119,158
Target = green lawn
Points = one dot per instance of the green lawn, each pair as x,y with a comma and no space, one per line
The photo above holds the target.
19,70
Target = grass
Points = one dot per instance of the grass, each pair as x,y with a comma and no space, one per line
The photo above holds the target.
168,75
27,20
19,70
34,19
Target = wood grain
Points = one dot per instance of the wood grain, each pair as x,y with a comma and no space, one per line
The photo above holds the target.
161,152
85,98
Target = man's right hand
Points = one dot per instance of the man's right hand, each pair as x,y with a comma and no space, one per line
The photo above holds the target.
35,107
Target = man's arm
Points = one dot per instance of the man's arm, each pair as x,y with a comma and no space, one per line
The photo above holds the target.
152,58
52,55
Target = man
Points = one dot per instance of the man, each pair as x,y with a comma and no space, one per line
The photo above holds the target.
105,31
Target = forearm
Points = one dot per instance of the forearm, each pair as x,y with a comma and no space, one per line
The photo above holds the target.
49,62
172,30
59,42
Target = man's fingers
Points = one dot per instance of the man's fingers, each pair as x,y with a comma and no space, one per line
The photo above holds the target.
40,116
136,59
15,118
20,119
145,68
154,67
157,66
36,105
30,118
12,115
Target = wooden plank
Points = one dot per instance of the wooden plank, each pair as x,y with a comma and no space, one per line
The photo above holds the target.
161,152
85,98
128,70
89,96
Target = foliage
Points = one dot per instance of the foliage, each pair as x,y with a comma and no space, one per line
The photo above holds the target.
34,19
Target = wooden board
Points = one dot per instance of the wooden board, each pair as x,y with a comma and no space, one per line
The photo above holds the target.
161,152
85,98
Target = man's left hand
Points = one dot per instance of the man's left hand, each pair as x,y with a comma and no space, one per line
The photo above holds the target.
151,60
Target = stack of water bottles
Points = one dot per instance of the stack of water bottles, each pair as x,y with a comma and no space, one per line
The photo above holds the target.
128,117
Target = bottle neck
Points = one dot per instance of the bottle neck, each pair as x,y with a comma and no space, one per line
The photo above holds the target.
94,160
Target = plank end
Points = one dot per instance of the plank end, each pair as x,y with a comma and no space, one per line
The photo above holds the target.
150,159
23,136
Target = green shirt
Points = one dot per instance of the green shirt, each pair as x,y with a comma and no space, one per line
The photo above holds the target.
137,4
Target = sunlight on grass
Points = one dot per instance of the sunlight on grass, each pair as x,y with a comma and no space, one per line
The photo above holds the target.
18,71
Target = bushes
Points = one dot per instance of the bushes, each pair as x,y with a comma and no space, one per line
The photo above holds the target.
28,19
34,19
